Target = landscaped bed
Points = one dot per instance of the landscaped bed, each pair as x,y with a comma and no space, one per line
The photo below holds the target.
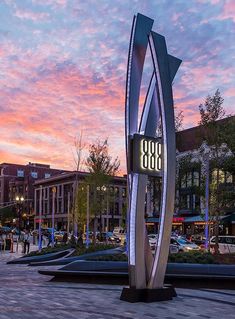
198,257
194,257
79,250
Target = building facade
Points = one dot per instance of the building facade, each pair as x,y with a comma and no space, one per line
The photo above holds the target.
17,181
110,212
195,159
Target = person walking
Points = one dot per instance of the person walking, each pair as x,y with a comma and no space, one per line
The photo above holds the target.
26,242
49,239
2,242
65,238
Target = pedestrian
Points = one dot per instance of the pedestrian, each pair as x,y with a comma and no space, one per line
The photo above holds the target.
26,241
2,242
49,239
65,238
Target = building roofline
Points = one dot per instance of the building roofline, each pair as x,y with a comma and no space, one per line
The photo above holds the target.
67,175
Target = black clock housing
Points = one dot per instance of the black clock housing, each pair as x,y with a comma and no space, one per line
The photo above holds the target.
146,157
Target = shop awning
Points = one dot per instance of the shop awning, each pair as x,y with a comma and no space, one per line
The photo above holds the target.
229,219
193,219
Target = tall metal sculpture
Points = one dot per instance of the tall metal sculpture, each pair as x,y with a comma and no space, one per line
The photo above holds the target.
149,155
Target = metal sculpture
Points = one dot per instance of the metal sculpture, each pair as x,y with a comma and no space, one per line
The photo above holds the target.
153,157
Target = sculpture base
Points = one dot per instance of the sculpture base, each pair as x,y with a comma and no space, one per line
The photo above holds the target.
148,295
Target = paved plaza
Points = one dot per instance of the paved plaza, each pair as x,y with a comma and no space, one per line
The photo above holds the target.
26,294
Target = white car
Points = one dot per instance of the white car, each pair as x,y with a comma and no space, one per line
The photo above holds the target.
173,249
226,244
184,245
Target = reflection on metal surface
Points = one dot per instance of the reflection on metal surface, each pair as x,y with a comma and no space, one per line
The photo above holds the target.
146,271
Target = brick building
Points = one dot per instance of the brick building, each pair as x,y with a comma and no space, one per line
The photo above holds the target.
18,180
112,211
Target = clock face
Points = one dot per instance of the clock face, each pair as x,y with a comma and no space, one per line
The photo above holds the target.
146,155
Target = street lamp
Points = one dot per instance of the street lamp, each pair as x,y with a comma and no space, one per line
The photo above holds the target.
53,215
19,201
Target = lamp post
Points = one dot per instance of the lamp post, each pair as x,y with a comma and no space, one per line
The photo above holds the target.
19,200
87,218
207,203
53,215
40,220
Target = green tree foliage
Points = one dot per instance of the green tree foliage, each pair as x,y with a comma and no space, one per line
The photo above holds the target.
7,214
219,135
101,168
80,206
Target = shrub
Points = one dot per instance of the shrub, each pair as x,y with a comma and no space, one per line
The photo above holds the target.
48,250
79,250
192,257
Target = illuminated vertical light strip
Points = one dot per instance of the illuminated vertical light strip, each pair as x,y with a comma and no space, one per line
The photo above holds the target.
128,133
165,160
132,221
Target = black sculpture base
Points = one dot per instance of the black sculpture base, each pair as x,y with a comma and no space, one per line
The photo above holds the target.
148,295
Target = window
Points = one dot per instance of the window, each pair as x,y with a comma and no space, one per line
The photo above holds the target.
183,181
188,201
229,177
116,190
20,173
123,192
47,175
221,176
196,202
189,179
60,190
34,174
196,178
185,202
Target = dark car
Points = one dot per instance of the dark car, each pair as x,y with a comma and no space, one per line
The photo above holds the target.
108,236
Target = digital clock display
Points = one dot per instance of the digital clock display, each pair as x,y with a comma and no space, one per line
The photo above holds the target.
146,155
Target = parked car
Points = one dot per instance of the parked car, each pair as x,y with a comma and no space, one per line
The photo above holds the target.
173,249
199,240
108,236
120,233
184,245
226,244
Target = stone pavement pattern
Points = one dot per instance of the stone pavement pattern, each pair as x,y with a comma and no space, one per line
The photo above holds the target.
26,294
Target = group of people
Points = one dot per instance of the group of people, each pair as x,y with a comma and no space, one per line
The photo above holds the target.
7,240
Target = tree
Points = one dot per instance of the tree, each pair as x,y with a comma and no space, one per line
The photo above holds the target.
217,129
79,199
80,206
101,168
179,118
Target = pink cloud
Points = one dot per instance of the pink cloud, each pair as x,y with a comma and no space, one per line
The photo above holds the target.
228,10
230,92
30,15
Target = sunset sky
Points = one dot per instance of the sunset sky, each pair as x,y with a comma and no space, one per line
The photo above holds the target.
63,69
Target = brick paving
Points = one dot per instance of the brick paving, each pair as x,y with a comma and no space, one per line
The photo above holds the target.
25,294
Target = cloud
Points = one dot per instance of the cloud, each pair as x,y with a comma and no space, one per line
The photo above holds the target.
30,15
228,10
63,69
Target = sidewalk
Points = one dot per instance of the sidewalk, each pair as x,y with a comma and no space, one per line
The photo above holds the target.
25,294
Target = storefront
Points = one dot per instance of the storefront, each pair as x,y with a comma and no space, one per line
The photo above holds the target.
193,225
